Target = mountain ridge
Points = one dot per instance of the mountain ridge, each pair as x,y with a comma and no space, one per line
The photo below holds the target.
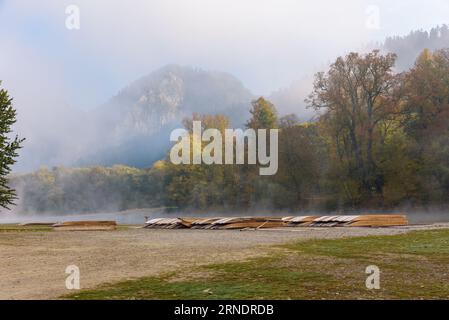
146,110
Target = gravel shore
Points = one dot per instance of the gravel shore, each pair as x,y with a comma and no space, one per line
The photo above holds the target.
33,263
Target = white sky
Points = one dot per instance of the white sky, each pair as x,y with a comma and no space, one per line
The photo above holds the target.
265,43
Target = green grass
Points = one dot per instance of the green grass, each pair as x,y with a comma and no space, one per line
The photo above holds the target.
413,266
19,228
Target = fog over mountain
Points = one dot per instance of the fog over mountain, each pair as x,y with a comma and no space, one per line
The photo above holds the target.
133,126
409,47
291,99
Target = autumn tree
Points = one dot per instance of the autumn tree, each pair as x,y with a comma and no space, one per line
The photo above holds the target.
301,163
426,109
427,95
263,115
359,96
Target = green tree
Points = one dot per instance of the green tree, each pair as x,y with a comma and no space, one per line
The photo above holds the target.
301,163
263,115
8,148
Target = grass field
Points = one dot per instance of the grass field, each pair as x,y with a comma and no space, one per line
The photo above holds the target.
413,266
13,227
20,228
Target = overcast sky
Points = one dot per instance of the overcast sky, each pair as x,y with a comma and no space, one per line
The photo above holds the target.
267,44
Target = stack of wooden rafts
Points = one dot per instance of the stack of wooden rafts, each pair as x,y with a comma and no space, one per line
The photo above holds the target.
215,223
378,220
85,226
276,222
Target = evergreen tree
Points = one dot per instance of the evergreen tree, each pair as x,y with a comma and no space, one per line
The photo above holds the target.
8,148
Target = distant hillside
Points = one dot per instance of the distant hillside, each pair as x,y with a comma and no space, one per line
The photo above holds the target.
133,127
291,99
408,47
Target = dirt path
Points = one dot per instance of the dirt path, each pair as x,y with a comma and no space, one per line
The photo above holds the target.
33,263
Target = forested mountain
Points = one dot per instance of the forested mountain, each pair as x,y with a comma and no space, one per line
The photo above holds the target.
169,94
133,127
407,48
410,46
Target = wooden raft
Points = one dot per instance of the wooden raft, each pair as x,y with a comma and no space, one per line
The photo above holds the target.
217,223
85,226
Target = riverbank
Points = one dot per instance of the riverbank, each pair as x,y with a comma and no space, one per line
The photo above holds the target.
34,261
